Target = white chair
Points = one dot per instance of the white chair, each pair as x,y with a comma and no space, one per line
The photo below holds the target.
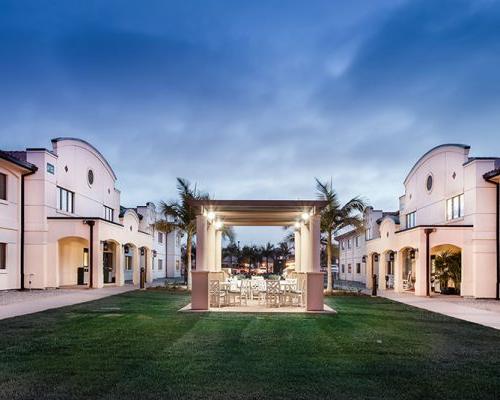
273,293
217,296
261,291
299,292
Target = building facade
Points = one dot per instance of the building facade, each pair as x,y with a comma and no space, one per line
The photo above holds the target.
352,259
74,230
450,204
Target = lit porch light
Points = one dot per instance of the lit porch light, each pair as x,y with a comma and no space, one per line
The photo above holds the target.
297,225
305,216
210,215
218,225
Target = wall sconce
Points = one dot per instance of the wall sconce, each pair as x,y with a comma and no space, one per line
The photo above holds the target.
413,254
105,246
218,225
143,251
305,216
363,259
126,249
210,216
391,256
375,257
297,225
154,253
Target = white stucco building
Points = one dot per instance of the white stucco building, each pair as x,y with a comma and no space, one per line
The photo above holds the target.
450,202
71,229
352,260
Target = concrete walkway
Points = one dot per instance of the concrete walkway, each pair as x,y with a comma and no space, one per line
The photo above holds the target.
482,312
17,303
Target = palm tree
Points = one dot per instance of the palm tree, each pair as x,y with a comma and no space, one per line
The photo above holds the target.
183,217
448,266
283,251
267,252
335,217
232,251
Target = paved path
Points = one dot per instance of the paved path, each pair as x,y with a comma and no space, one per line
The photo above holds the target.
21,303
483,312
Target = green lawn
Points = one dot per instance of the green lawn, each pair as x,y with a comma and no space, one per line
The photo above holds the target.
137,345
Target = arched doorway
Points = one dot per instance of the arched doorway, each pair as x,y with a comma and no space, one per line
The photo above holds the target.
110,261
388,270
73,261
446,269
129,251
408,270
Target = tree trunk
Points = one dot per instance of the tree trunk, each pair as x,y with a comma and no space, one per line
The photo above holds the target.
329,280
189,243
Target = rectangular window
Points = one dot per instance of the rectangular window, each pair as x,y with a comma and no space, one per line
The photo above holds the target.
411,220
160,264
342,244
109,213
368,234
357,241
343,268
348,243
3,255
66,200
3,187
358,268
160,237
455,207
50,168
349,269
177,265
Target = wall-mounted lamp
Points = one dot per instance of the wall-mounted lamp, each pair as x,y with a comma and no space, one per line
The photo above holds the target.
154,253
363,259
413,254
305,216
105,246
297,225
391,256
375,257
143,251
126,249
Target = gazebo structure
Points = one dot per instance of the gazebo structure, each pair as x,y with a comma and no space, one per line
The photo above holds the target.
303,215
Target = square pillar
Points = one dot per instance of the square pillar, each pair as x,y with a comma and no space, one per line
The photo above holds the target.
297,250
201,239
210,247
120,265
314,291
315,247
97,264
382,270
136,274
148,265
199,293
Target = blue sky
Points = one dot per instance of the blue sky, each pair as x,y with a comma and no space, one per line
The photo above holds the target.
253,99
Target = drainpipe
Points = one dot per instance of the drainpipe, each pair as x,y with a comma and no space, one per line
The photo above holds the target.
91,224
497,184
21,256
427,232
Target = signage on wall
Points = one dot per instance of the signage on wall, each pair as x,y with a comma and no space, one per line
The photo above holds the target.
50,168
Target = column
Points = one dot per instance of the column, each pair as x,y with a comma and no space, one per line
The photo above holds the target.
119,265
210,247
201,233
304,247
398,271
199,292
297,246
98,274
382,270
218,251
148,265
315,278
136,275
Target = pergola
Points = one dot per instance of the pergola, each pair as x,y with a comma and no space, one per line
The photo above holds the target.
302,215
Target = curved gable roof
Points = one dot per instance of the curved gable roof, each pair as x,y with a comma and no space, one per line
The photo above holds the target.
428,153
99,154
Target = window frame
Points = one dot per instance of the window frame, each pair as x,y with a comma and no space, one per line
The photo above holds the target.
110,211
5,186
358,268
3,256
411,220
160,237
68,195
459,202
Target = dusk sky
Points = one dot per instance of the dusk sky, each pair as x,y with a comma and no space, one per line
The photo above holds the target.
253,99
